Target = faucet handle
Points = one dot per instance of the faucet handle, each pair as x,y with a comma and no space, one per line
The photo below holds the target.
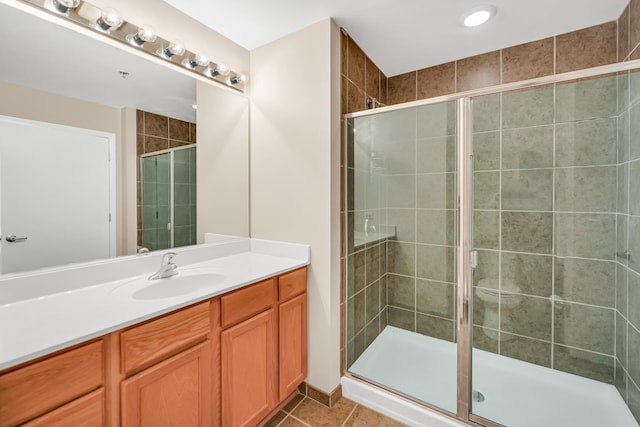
168,257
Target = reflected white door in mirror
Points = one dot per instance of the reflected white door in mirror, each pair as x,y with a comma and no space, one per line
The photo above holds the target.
57,195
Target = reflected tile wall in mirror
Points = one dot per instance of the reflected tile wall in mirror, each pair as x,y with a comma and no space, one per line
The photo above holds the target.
156,133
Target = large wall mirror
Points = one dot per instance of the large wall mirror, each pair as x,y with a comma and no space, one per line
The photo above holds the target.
170,173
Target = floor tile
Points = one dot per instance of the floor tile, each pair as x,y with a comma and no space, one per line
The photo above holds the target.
276,419
365,417
293,403
291,422
316,414
303,411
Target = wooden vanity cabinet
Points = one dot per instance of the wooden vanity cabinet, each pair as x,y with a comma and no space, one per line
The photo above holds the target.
264,356
292,331
55,390
87,410
230,361
167,363
249,354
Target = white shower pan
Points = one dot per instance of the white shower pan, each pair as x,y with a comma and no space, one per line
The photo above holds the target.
516,393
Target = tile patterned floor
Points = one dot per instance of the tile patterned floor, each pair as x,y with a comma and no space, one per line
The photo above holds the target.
303,411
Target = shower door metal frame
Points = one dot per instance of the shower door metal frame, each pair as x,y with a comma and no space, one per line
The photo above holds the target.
464,261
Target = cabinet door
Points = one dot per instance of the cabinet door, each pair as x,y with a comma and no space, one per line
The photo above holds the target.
176,392
293,344
249,371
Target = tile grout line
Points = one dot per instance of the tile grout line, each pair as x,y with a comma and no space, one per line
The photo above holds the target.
295,418
350,414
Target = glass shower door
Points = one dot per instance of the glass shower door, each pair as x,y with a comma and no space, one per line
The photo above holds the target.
156,201
401,291
552,228
184,200
169,199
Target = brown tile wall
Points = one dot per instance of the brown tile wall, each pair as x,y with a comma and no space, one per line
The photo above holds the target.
157,133
590,47
629,23
361,79
535,152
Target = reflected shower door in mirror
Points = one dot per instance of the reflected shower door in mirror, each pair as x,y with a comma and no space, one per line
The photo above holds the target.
401,291
554,225
89,84
168,205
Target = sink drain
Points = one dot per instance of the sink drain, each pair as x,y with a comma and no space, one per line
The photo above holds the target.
477,396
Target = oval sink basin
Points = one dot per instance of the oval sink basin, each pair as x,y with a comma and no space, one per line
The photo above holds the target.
177,285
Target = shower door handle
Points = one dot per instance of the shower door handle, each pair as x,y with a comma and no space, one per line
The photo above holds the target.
13,238
473,259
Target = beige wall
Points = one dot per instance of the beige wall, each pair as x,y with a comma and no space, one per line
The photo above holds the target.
222,162
32,104
295,172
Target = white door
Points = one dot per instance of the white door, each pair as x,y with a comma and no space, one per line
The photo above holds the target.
55,195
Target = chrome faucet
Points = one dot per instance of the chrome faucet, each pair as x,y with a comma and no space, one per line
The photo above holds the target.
167,268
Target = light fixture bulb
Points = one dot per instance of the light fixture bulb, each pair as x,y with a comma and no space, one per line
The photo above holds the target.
239,78
220,70
175,48
63,6
109,20
478,16
201,60
145,34
198,59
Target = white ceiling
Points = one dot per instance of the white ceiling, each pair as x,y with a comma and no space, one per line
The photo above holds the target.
403,35
49,57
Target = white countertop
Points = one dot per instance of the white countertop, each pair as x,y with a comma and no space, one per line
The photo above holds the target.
50,316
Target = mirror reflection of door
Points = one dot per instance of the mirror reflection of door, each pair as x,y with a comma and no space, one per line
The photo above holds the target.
56,195
167,182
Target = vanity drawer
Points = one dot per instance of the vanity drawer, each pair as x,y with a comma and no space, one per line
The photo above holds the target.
160,338
45,385
247,302
292,284
85,411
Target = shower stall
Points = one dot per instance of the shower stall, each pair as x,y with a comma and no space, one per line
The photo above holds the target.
493,254
168,198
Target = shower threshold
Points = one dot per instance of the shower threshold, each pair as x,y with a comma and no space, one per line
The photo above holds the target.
509,391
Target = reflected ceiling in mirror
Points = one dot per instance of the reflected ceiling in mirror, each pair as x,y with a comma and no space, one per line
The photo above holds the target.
46,56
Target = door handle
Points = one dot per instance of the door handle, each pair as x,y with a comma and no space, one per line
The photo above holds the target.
13,238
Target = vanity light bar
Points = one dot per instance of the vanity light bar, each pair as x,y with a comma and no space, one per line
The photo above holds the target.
109,20
144,34
175,49
64,6
109,23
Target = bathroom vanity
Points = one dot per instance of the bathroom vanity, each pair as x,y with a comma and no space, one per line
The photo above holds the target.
229,354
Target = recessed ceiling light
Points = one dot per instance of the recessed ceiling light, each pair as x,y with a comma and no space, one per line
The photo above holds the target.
478,15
